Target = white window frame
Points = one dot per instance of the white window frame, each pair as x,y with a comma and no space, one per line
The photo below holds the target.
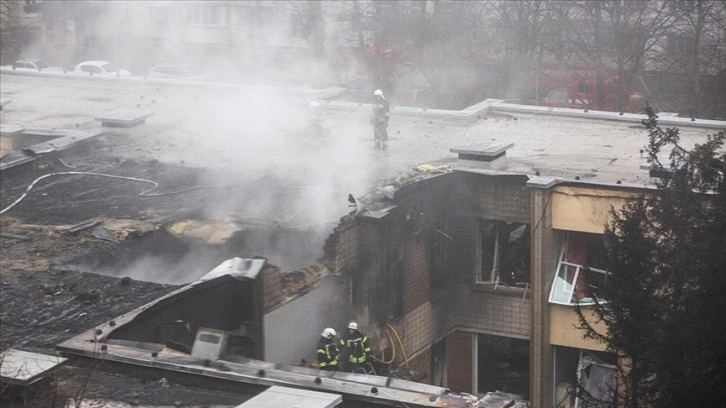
563,290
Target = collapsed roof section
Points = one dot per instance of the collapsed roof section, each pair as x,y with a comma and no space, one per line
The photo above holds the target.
214,327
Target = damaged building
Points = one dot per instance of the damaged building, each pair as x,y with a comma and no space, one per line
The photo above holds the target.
463,270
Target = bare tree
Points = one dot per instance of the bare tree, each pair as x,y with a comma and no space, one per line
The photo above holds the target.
520,34
308,23
696,47
615,37
450,53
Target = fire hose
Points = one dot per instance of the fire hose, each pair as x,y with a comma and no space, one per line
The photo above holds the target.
393,348
83,173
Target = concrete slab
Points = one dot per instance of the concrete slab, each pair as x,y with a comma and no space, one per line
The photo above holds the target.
277,396
25,367
124,118
59,140
73,139
15,158
39,148
10,130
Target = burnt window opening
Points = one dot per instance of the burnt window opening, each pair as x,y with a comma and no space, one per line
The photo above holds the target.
390,286
581,267
503,253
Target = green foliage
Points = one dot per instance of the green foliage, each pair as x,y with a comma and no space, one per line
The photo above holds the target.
665,308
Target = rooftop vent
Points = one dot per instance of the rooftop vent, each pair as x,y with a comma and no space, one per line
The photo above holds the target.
492,156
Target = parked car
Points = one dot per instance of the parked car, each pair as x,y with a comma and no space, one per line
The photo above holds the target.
34,64
101,68
171,71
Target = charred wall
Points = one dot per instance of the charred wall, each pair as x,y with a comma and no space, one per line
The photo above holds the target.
414,268
482,307
398,246
224,303
502,198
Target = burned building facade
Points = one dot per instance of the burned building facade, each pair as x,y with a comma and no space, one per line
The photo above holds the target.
477,270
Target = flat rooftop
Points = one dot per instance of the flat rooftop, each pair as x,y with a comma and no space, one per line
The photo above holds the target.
251,129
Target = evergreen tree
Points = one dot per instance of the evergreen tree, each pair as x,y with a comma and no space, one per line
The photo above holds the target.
664,302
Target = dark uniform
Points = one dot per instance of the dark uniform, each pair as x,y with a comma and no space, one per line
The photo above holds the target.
379,119
358,347
328,352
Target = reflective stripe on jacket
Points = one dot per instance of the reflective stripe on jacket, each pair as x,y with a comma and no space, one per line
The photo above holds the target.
359,347
327,354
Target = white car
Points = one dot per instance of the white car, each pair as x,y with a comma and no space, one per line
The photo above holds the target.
33,65
100,68
170,71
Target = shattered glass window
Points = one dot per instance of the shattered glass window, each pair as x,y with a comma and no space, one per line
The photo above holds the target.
503,250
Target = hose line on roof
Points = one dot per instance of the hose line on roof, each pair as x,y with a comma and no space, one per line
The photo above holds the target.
81,173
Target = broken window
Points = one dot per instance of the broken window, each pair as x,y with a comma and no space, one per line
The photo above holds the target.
584,378
582,265
503,253
596,381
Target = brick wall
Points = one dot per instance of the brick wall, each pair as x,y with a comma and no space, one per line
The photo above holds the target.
417,329
417,279
485,309
491,312
422,364
460,249
342,248
459,362
504,198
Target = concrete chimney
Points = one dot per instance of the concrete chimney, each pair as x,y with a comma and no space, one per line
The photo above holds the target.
487,155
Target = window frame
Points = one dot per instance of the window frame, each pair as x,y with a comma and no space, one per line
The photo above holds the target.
562,288
493,272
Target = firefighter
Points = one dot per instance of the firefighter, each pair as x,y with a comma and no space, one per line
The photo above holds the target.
328,350
357,346
315,132
379,119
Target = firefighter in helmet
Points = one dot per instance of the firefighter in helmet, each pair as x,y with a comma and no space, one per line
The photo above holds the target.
357,346
328,350
379,119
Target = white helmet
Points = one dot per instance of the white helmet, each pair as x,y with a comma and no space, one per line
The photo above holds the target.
314,105
378,92
353,326
328,333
